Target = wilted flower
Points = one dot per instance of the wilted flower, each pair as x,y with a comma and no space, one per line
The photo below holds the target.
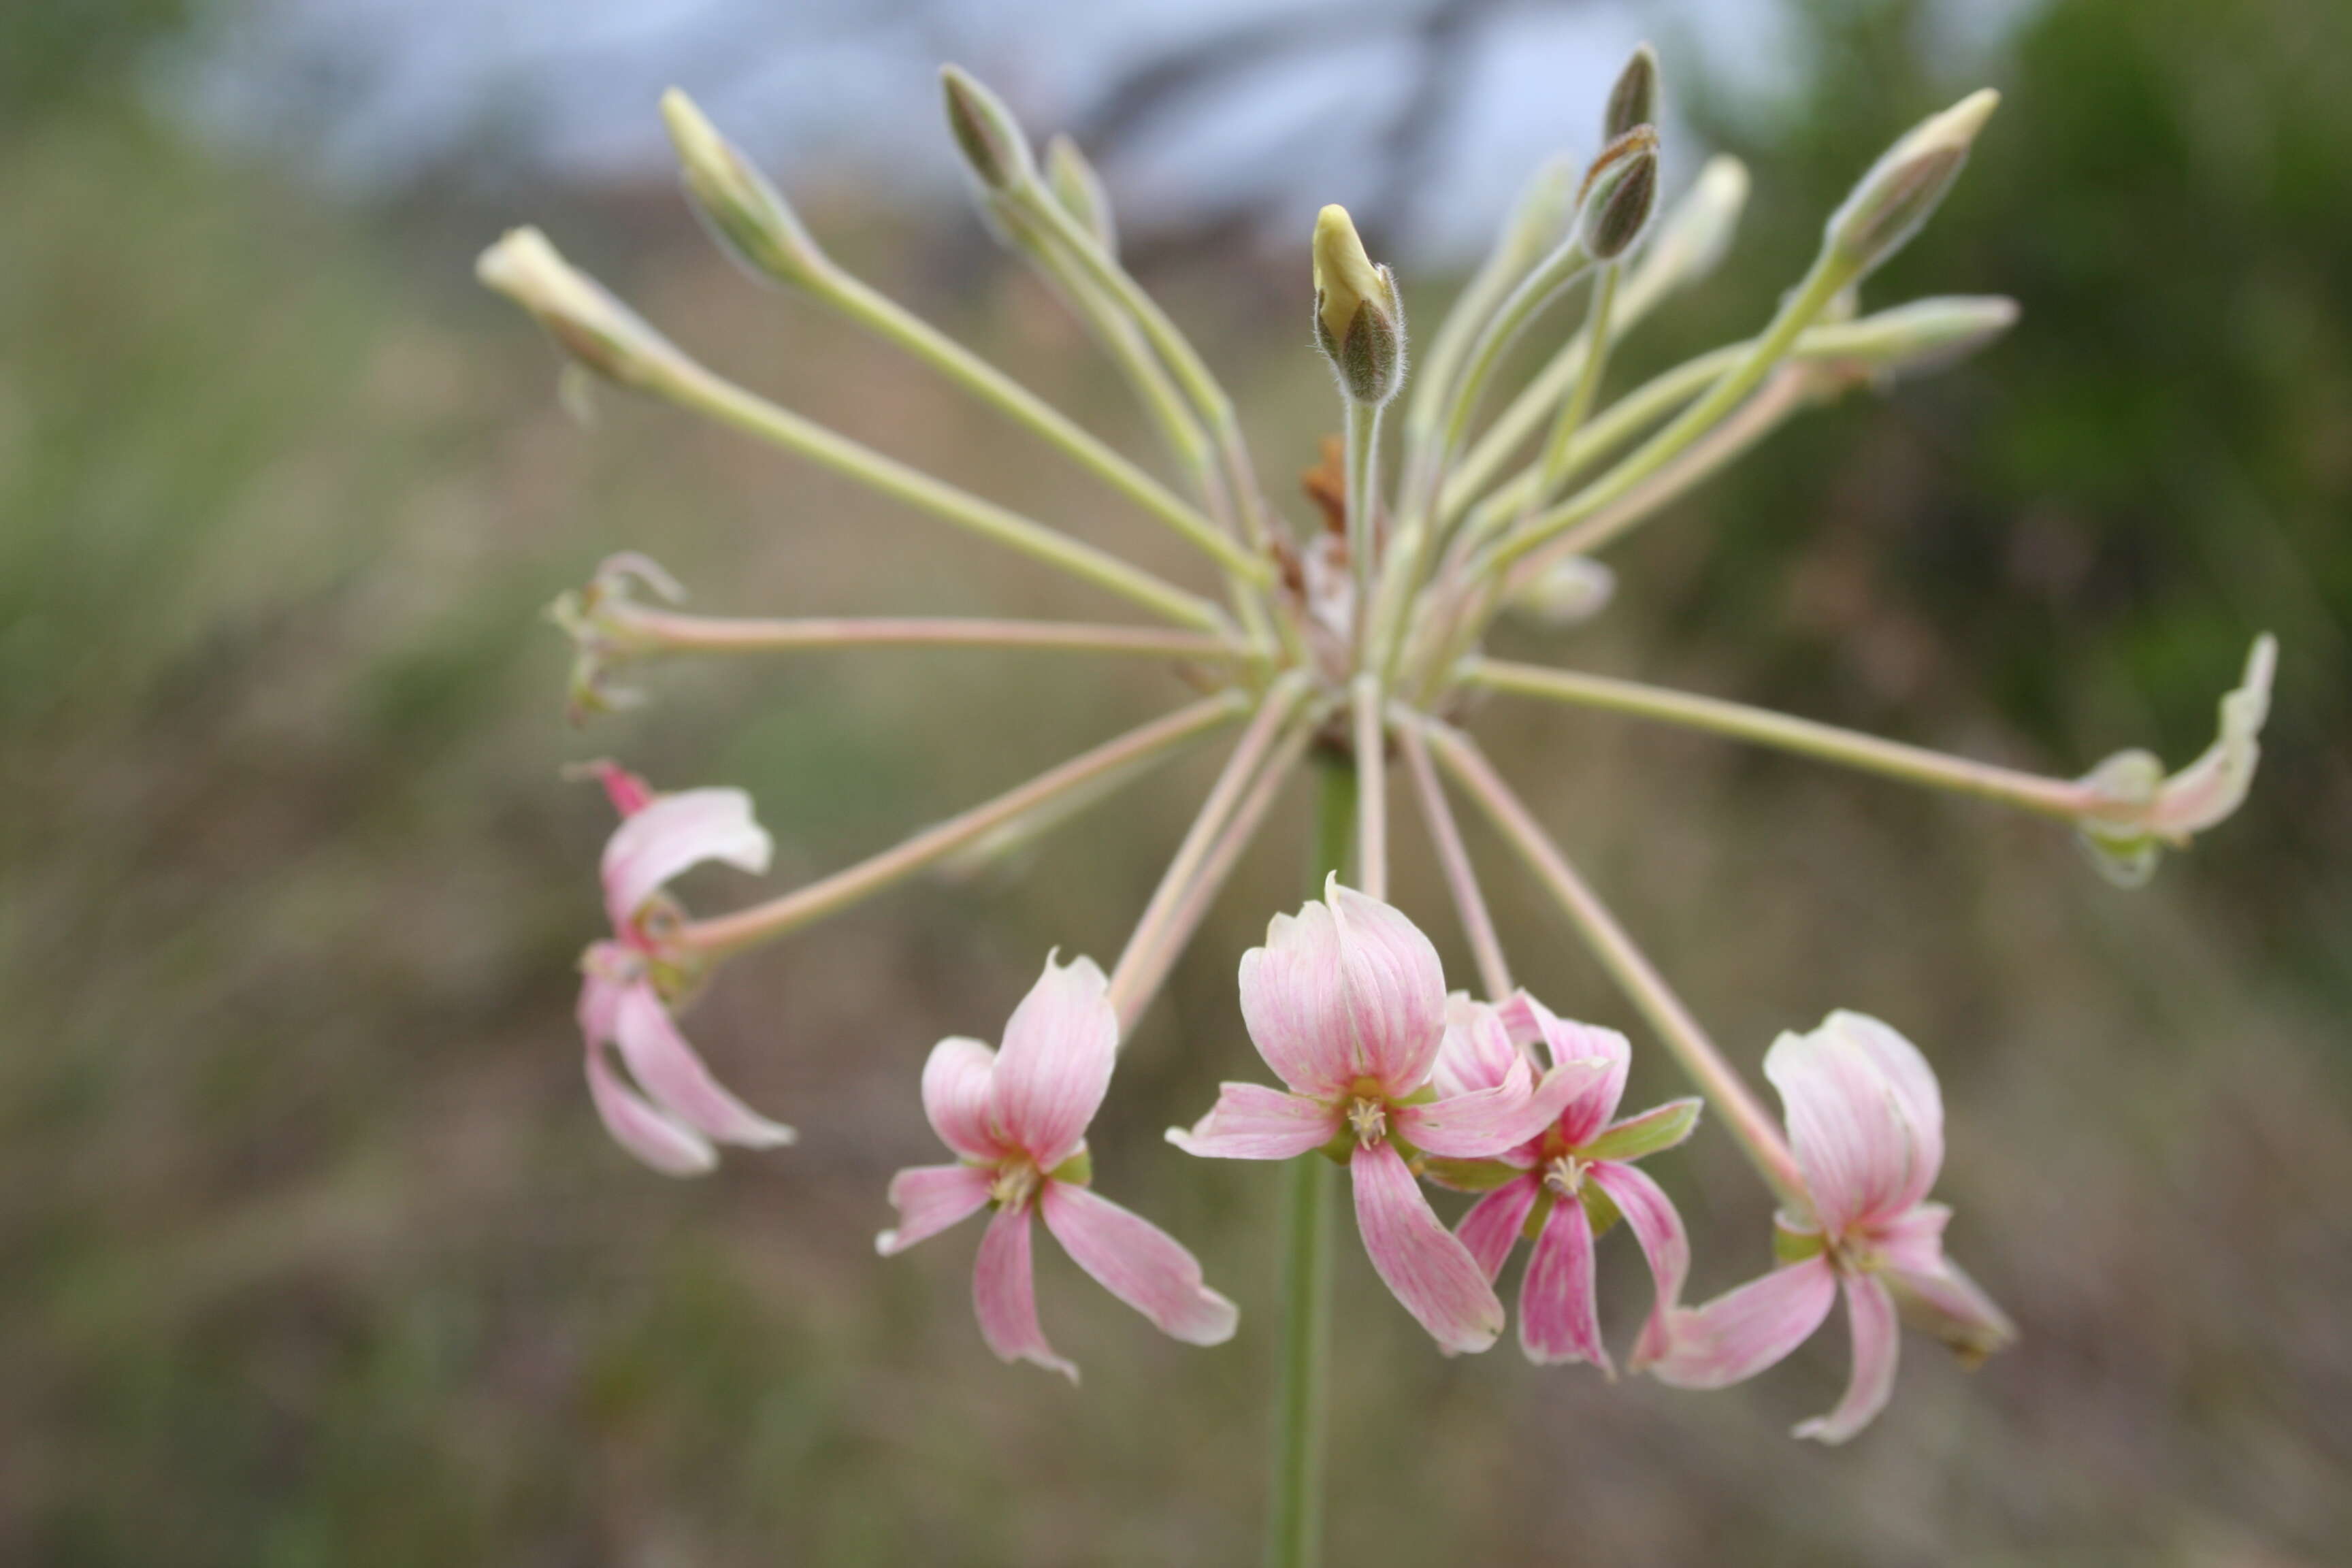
1017,1121
1866,1121
2150,812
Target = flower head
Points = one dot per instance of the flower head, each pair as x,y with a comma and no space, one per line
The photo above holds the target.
629,981
1347,1004
1867,1121
1016,1119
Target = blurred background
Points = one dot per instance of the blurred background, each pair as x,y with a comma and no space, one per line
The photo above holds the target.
312,1249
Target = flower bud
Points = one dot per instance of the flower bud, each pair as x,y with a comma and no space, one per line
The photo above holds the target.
752,222
1619,191
1917,338
1901,190
1567,593
1080,191
584,318
984,129
1359,318
1692,238
1633,100
1540,219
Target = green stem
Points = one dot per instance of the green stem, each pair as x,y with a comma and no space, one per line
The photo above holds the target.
1295,1524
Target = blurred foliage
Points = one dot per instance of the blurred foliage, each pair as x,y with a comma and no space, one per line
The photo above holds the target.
54,53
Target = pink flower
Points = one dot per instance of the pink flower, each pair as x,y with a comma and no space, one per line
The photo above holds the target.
1017,1120
1347,1004
1866,1123
682,1110
1572,1179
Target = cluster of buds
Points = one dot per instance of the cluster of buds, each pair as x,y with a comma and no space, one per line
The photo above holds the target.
1352,645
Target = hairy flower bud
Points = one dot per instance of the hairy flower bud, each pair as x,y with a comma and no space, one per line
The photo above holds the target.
752,222
584,318
1567,593
1633,100
1619,191
991,139
1694,236
1896,197
1359,318
1917,338
1080,191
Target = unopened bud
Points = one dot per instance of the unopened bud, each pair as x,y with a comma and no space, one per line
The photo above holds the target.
991,138
1619,191
750,220
1567,593
1917,338
1693,237
1633,100
1359,318
582,317
1539,219
1906,183
1080,191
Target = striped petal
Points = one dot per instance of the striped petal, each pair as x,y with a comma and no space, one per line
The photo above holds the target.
669,1071
1430,1273
1658,1227
955,1097
1138,1262
1745,1330
1559,1318
1877,1345
672,834
930,1198
1005,1295
1251,1122
1059,1047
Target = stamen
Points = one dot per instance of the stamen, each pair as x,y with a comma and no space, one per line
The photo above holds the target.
1565,1176
1015,1185
1369,1119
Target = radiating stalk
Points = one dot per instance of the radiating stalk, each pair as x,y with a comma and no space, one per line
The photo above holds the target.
645,632
1371,786
1454,859
1295,1522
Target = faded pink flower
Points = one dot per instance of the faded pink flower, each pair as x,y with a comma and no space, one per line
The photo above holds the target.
1571,1180
1866,1123
1347,1004
1017,1119
682,1110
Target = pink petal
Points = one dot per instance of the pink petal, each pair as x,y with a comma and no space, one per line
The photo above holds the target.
1650,1215
629,794
1395,989
1565,1040
607,970
654,1138
2209,789
1477,1052
1745,1330
1005,1295
677,831
930,1198
1479,1126
1864,1118
1492,1226
1870,1313
955,1097
1559,1318
1914,1239
1138,1262
1251,1122
667,1068
1059,1047
1430,1274
1291,1003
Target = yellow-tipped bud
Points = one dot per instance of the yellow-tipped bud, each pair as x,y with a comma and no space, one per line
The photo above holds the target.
1359,318
752,222
584,318
991,139
1896,197
1079,190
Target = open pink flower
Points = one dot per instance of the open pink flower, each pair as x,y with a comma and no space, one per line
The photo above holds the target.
1571,1179
1347,1004
1017,1119
682,1110
1866,1123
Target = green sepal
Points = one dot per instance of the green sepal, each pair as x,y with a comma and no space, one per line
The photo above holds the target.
1078,1169
1792,1244
1601,1210
1469,1175
1647,1134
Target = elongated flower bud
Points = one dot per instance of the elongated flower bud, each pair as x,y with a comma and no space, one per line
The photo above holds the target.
754,224
1568,593
991,139
1359,318
1633,100
1619,191
579,312
1696,233
1916,338
1080,191
1901,190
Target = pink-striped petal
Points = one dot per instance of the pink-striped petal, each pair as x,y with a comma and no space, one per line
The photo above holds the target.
955,1097
1059,1047
1395,989
1559,1318
667,1069
1870,1313
1251,1122
1430,1273
1492,1226
1657,1226
1138,1262
1477,1052
675,832
1863,1118
1492,1121
652,1137
1565,1040
1745,1330
1005,1295
1292,1003
930,1198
